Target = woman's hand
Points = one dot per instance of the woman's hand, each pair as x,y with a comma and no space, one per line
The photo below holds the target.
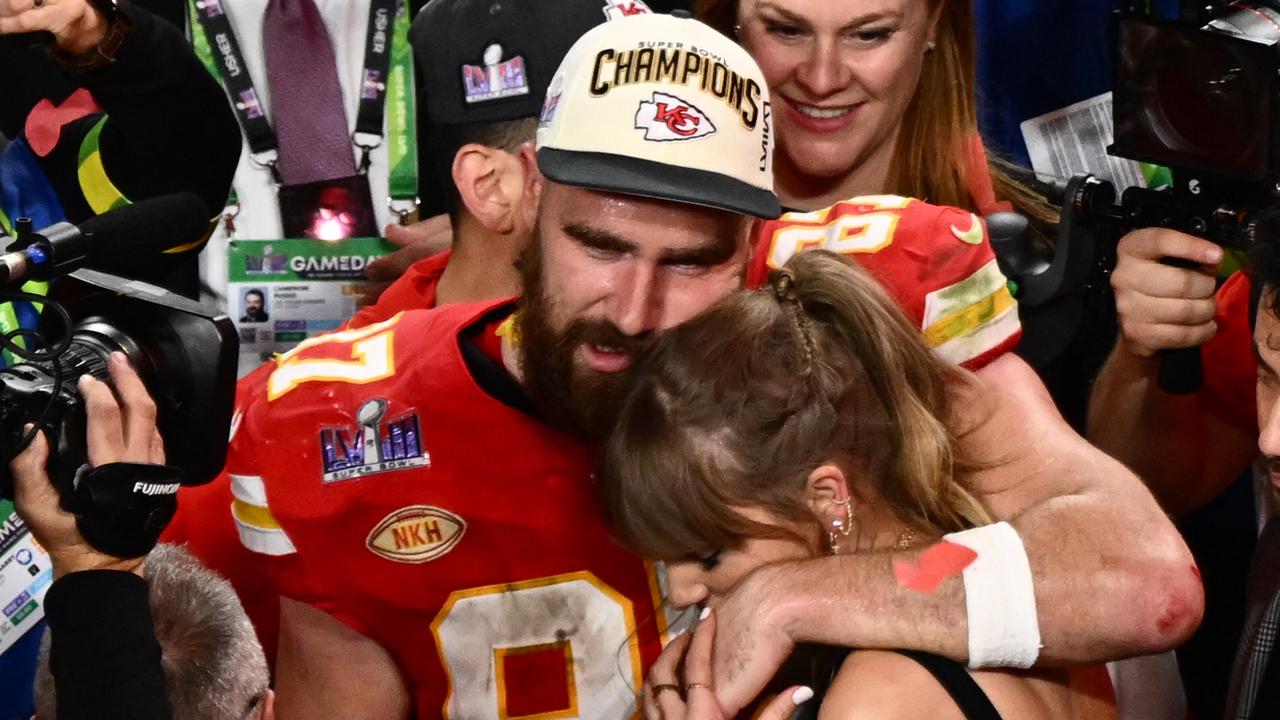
667,697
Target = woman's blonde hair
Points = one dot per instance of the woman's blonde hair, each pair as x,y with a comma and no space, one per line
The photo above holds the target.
939,122
738,406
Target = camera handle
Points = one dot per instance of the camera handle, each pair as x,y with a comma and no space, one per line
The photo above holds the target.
1181,371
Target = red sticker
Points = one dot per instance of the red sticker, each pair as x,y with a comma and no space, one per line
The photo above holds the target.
936,564
46,120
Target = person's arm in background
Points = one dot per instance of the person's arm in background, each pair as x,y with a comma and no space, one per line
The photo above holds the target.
1185,455
1111,575
104,656
169,125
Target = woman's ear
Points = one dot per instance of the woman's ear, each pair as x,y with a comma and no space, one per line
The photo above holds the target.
827,492
935,19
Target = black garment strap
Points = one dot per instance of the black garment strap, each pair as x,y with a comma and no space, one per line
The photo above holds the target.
235,76
377,66
489,375
958,683
247,103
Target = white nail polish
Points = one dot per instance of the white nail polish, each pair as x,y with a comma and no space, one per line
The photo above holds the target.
705,612
802,695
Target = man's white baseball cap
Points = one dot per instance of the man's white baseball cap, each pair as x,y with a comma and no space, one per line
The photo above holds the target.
664,107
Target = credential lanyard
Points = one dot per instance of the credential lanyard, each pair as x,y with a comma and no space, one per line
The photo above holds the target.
385,91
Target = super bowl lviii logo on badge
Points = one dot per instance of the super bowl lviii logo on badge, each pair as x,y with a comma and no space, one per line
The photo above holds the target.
372,446
496,79
667,118
416,534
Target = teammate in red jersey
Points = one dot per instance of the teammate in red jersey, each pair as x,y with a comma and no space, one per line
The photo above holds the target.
633,238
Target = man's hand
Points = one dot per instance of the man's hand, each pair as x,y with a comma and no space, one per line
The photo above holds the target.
416,242
123,431
1163,307
754,646
668,697
75,25
1185,455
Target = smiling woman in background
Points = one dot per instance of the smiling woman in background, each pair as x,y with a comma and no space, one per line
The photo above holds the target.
872,97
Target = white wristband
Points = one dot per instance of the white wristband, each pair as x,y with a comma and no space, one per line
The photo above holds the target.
1000,599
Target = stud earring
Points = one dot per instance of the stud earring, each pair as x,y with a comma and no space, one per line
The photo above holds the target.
930,46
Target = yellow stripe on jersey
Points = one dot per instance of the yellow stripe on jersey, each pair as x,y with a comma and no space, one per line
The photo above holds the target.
254,515
971,317
257,527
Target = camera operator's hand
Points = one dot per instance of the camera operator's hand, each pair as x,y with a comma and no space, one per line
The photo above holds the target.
1160,306
123,431
76,26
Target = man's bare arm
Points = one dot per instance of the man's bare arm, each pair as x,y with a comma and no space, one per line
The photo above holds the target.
1186,457
1112,576
324,669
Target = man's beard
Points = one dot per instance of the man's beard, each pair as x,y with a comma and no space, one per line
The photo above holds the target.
573,397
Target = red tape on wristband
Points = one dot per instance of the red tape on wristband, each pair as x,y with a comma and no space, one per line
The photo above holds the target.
942,561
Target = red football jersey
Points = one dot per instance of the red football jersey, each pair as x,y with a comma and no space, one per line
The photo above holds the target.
375,479
414,290
1230,368
936,261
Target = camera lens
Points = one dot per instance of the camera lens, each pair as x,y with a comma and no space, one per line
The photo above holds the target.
1198,98
1206,103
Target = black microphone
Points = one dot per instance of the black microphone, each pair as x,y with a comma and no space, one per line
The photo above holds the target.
131,240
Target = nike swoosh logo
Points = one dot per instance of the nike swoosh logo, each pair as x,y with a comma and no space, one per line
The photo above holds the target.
974,235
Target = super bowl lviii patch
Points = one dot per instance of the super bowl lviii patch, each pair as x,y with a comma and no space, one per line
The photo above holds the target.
373,445
416,534
496,78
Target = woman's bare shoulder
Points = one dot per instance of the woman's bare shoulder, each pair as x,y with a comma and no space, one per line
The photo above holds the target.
885,685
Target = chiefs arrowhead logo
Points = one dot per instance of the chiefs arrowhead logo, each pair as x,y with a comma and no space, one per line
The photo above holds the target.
667,118
618,9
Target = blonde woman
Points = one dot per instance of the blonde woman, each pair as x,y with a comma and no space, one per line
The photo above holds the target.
804,419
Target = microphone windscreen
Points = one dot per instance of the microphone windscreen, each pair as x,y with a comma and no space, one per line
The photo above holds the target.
134,238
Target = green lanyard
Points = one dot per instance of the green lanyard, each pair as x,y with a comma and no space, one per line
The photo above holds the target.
402,125
401,113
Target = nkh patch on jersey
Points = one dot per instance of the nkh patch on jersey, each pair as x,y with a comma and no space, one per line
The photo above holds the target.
416,534
667,118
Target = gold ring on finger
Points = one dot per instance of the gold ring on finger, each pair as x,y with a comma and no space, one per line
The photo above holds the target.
657,689
693,685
